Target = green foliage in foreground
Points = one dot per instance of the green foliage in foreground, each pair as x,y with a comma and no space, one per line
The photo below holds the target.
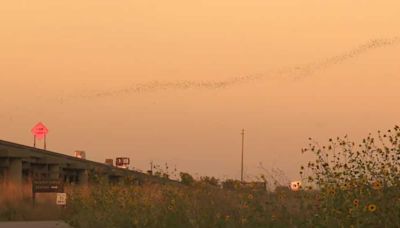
359,183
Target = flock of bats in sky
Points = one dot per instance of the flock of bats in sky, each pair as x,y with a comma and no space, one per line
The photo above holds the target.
296,72
291,73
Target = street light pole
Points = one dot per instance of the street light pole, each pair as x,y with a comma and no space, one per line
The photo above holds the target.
241,173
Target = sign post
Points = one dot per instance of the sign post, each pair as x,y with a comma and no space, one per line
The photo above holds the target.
39,131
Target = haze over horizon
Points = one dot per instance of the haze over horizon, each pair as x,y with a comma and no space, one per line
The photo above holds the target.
176,81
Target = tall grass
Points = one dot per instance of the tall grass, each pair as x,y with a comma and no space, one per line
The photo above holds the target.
159,205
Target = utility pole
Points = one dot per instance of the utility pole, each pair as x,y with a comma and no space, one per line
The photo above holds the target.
241,176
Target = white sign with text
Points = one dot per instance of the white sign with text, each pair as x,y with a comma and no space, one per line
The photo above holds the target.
61,199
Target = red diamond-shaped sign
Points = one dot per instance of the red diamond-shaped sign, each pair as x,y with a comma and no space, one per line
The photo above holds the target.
39,130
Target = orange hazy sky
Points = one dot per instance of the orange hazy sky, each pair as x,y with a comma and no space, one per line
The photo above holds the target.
123,78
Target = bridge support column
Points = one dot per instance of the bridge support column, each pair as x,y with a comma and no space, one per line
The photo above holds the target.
54,172
15,172
2,177
83,177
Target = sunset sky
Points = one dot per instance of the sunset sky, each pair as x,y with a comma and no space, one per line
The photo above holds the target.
176,81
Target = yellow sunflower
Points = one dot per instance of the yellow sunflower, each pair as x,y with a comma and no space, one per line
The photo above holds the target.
371,207
377,185
351,210
346,186
356,202
250,196
332,191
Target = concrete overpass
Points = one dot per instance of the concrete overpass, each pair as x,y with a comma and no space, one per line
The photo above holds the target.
20,165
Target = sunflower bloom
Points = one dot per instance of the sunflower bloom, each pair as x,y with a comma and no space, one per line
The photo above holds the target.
356,202
332,191
250,197
346,186
377,185
371,207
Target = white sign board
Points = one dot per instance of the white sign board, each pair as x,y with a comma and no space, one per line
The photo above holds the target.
61,199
